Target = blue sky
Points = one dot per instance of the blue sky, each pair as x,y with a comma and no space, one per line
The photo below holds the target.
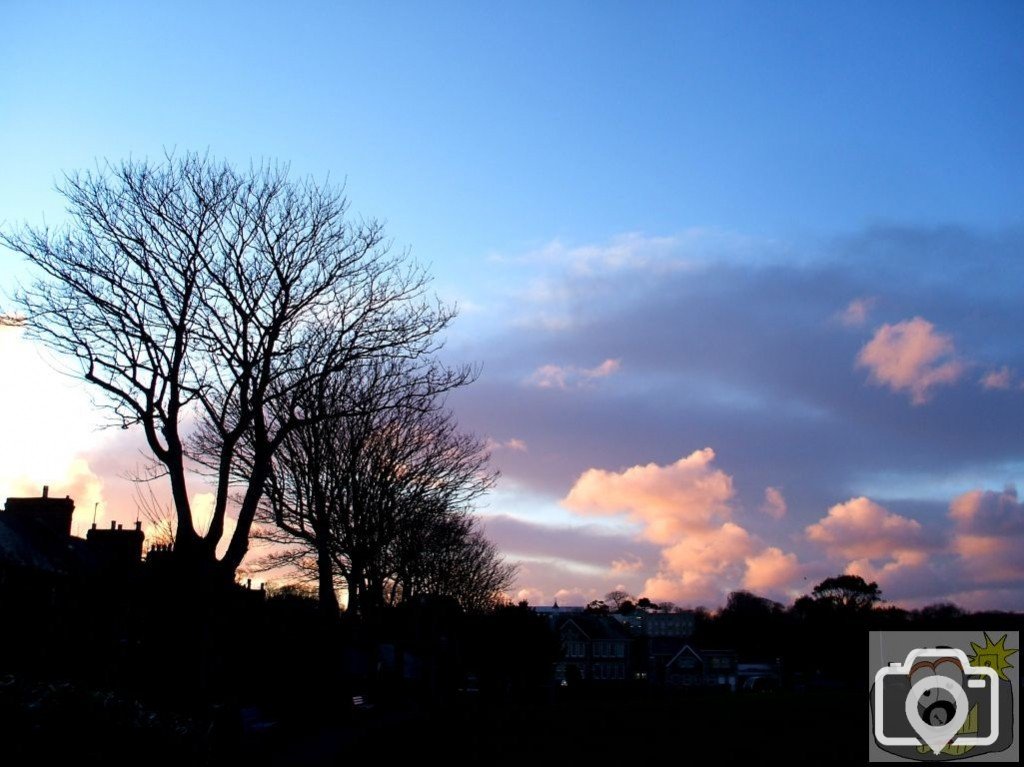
787,232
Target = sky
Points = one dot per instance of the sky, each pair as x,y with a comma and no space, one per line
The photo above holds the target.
743,280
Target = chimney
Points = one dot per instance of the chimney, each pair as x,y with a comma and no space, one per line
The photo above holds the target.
52,513
117,548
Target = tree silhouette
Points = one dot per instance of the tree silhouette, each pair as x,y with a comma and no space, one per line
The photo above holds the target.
616,597
379,499
192,293
847,592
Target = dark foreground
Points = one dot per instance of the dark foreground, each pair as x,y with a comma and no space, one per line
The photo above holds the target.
626,726
820,727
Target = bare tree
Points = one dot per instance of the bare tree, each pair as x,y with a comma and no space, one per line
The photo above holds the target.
452,558
617,597
159,516
195,296
379,499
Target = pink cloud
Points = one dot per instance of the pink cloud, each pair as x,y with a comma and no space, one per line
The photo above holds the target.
863,538
685,508
688,588
911,356
575,596
667,500
531,595
861,528
901,560
989,512
774,504
772,571
997,379
571,377
712,551
543,581
622,566
605,369
989,535
856,312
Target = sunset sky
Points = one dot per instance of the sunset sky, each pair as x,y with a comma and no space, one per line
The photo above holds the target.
746,281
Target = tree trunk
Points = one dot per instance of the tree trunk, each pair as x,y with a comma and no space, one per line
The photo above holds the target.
325,581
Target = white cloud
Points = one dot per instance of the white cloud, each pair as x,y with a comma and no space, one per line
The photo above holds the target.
46,419
567,377
512,443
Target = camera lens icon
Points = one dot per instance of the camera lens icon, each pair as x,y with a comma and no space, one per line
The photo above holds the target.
941,720
936,706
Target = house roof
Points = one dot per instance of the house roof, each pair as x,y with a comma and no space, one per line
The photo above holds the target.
25,544
686,650
702,655
598,627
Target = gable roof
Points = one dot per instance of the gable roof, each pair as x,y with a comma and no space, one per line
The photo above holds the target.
598,627
686,649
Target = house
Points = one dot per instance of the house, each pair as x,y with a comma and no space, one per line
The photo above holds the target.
54,585
658,624
595,648
36,543
701,668
556,614
675,624
659,651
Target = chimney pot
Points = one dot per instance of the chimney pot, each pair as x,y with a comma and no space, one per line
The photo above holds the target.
138,525
46,491
113,525
119,527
